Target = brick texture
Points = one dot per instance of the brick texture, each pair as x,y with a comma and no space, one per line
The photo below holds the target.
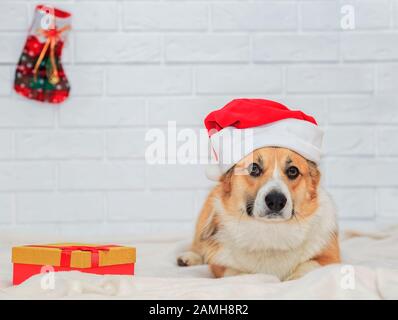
79,167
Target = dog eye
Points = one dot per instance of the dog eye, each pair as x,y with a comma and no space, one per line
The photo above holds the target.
292,172
254,170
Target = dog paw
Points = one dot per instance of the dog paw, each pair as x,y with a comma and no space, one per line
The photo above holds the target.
189,258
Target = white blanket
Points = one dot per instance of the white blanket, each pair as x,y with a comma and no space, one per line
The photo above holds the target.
369,271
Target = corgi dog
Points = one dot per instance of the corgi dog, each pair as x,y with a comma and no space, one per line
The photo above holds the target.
267,214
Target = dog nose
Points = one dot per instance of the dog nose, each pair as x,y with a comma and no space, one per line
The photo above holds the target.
275,201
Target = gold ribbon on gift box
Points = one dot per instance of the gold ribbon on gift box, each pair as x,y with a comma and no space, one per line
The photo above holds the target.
81,255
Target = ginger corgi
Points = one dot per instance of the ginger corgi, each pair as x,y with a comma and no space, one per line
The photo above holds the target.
267,214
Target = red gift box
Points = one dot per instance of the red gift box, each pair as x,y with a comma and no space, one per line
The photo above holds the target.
97,259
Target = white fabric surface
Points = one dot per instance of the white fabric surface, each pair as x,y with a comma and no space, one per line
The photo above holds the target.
374,257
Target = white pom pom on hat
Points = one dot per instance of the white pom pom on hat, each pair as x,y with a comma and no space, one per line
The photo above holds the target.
244,125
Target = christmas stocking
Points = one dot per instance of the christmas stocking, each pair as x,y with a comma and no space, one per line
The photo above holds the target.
40,75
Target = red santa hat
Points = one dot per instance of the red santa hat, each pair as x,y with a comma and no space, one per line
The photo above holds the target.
244,125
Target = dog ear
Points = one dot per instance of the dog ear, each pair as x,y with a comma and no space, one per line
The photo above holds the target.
315,176
226,182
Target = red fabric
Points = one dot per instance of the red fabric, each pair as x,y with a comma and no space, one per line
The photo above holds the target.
249,113
57,12
39,74
56,96
66,253
22,272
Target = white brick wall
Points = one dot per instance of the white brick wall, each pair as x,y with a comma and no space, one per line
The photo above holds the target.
79,167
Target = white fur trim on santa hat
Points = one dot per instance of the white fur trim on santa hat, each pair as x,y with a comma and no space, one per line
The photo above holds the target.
230,144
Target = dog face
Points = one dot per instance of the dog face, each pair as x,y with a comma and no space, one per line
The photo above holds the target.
271,185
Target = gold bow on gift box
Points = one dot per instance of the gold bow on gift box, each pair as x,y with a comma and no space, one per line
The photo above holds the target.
52,36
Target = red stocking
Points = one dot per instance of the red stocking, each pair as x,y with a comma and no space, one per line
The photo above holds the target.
40,75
